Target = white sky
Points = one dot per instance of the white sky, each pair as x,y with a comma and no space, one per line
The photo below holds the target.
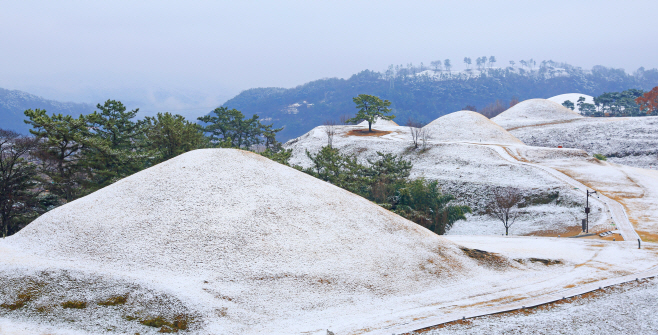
178,55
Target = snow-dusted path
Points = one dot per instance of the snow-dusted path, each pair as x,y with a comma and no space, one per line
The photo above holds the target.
541,247
617,212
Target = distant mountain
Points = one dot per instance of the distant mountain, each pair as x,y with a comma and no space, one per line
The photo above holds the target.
13,103
425,94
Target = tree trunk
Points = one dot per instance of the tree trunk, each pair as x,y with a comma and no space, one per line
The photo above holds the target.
369,126
506,231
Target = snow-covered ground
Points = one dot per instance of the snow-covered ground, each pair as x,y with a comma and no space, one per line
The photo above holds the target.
231,242
623,140
470,167
534,112
623,309
234,243
469,127
634,188
573,97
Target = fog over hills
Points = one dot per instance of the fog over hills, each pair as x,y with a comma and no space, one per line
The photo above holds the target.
13,103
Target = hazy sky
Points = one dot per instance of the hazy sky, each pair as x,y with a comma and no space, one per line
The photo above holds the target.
192,55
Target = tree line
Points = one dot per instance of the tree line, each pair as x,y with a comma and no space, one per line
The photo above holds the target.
427,97
66,157
631,102
385,181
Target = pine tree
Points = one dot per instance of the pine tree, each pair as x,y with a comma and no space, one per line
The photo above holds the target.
370,108
118,152
63,141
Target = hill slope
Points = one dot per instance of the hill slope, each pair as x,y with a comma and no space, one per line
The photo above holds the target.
13,103
573,97
467,169
479,130
228,231
534,112
423,97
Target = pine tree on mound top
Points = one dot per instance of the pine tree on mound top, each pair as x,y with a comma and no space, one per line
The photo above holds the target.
370,108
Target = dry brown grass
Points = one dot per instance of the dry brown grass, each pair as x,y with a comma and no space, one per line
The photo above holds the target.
77,304
31,292
485,258
179,322
648,237
365,132
113,301
563,232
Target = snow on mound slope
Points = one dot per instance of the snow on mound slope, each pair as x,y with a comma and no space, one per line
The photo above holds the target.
237,212
534,112
467,126
624,140
573,97
378,122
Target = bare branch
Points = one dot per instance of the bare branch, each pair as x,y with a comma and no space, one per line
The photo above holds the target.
504,206
330,130
417,132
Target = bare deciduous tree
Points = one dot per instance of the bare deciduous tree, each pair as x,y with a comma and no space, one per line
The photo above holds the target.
18,174
504,206
416,128
330,130
419,135
424,137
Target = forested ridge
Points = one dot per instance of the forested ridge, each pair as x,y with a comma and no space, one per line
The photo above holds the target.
13,103
425,93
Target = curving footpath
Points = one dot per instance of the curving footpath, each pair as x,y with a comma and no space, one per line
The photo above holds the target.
619,216
519,305
617,211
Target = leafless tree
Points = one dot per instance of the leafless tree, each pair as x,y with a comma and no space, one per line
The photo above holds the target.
416,129
18,186
419,135
330,130
504,206
424,137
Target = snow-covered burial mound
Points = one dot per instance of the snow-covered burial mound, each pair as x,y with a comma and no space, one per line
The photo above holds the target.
534,112
467,126
245,241
573,97
238,212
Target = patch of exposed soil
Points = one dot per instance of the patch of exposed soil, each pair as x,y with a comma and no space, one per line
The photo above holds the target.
365,132
486,258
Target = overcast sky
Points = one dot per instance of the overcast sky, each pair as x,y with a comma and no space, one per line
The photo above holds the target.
193,55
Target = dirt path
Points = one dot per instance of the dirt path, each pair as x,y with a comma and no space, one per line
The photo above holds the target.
617,211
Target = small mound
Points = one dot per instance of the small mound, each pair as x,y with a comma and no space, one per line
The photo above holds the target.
467,126
534,112
573,97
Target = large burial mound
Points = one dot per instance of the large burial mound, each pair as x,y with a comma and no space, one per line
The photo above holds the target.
535,112
467,126
573,97
246,243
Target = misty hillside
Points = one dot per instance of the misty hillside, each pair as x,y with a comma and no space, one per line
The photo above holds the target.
13,103
426,94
